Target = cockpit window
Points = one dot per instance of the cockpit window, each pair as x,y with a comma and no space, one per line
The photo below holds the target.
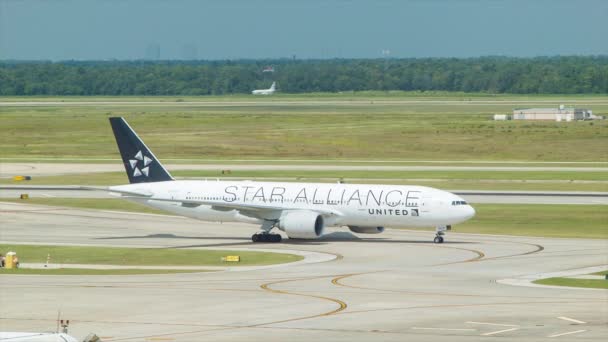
459,203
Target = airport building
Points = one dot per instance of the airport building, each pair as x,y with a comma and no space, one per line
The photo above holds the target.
560,113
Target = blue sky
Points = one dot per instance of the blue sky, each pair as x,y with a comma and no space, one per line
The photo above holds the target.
130,29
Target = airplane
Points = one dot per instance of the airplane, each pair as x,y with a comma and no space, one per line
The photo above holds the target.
300,210
268,91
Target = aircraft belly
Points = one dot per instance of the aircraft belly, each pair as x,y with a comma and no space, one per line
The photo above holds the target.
201,212
390,217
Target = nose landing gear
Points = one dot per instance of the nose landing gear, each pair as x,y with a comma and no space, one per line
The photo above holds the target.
439,232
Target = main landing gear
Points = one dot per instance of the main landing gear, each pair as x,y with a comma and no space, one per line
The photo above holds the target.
439,232
265,235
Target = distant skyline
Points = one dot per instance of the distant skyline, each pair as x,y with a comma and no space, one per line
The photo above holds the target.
241,29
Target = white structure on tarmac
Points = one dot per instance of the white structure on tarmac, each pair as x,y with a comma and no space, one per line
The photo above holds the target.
36,337
561,113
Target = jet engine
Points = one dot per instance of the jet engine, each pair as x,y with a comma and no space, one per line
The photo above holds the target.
302,224
366,230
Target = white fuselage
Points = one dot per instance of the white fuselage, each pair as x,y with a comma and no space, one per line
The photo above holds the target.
263,92
360,205
268,91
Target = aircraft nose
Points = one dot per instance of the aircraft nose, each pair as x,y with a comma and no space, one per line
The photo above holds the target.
470,212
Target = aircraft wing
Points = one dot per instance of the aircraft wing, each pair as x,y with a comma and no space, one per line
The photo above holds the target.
258,210
137,193
263,211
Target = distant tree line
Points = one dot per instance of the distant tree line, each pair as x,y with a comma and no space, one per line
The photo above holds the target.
545,75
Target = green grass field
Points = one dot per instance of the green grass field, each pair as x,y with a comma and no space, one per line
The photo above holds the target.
367,126
588,283
566,221
601,273
88,271
142,256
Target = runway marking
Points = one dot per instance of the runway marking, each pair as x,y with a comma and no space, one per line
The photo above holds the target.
337,281
447,329
464,306
567,333
341,304
499,332
571,320
513,327
538,249
497,324
480,256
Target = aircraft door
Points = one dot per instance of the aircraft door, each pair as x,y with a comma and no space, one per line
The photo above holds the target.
174,194
426,204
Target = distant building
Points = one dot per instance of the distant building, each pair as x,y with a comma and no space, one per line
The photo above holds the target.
561,113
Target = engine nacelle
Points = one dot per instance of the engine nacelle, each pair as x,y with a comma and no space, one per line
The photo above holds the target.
302,224
366,230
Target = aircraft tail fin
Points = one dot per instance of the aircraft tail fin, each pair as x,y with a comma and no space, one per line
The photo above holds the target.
273,86
140,163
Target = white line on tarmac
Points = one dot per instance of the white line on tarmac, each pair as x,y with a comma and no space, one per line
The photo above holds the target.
567,333
571,320
498,324
448,329
499,332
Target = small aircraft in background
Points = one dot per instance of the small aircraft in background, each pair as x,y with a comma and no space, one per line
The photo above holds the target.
269,91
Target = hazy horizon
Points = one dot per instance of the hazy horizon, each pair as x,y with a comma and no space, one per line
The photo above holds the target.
63,30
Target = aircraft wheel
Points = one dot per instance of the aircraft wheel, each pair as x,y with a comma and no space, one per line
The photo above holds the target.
438,239
266,238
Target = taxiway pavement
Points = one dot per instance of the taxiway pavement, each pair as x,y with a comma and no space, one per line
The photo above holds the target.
392,287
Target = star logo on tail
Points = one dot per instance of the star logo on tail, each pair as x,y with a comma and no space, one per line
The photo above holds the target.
144,161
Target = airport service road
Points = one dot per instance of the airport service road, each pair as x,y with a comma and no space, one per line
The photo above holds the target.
391,287
50,169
